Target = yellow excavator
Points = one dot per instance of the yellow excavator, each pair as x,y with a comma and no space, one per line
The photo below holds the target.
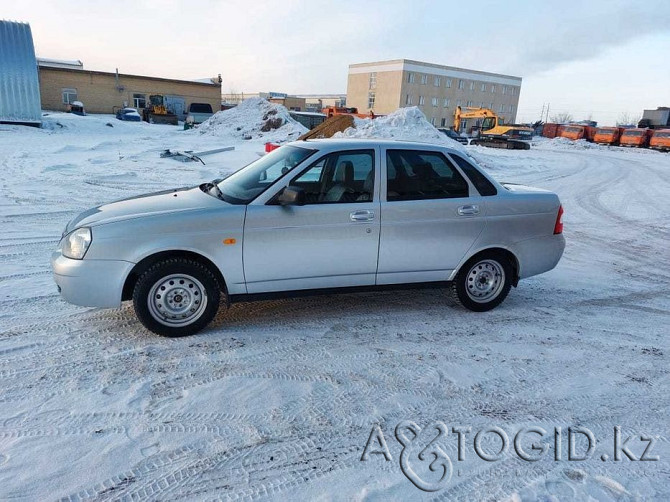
494,132
156,111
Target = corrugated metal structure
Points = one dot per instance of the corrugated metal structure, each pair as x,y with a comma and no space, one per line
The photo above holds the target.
19,83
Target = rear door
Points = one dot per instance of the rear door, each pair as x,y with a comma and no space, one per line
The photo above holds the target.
431,216
331,241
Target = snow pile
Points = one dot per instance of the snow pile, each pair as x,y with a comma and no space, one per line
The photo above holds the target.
408,124
254,118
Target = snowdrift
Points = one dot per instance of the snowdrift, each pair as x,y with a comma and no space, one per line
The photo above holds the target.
254,118
407,124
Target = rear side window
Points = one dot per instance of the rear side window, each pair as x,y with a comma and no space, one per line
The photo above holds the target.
420,175
483,185
200,108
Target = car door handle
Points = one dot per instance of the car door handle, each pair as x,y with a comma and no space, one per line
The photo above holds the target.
362,215
468,210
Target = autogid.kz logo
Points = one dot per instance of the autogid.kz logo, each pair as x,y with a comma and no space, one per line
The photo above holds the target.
424,460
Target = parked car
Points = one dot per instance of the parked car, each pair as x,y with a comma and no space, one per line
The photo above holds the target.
128,115
199,112
333,215
453,135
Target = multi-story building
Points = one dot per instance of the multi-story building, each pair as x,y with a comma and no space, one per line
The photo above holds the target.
437,90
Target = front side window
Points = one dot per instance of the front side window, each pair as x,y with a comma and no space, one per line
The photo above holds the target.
249,182
140,101
339,177
421,175
69,96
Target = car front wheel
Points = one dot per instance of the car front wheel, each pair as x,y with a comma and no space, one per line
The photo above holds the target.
483,282
176,297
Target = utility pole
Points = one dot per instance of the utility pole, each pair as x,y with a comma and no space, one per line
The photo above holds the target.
548,112
542,113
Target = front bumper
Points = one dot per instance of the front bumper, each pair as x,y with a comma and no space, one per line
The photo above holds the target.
90,283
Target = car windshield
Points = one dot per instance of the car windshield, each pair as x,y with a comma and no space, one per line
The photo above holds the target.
249,182
633,133
605,131
662,134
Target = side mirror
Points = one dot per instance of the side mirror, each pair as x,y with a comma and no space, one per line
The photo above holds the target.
292,196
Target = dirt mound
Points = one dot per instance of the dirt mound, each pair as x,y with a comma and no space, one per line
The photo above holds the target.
329,127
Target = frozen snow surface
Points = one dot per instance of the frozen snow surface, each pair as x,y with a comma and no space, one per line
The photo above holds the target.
254,118
407,124
276,400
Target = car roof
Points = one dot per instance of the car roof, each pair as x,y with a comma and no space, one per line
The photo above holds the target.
339,143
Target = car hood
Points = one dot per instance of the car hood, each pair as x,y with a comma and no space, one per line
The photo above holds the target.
167,201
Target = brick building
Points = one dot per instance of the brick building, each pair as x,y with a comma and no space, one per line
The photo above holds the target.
62,82
386,86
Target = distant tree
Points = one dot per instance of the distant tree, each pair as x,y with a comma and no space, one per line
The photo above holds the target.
626,118
561,118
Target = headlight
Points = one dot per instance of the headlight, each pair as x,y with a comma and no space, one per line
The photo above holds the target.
76,243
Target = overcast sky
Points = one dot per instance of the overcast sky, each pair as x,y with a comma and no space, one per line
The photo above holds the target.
598,58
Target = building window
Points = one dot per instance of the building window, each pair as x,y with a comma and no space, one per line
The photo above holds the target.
443,122
493,88
139,101
448,83
371,100
461,84
434,102
491,107
437,81
483,87
69,96
373,80
511,108
408,99
421,100
410,78
504,89
502,108
445,103
458,103
472,86
469,103
424,79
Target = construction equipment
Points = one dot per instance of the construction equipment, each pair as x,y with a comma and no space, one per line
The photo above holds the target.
638,137
655,119
576,131
493,131
660,140
608,135
156,111
331,111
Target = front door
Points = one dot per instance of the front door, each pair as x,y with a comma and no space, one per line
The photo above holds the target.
429,218
331,241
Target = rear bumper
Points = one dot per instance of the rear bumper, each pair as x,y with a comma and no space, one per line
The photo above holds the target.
90,283
539,255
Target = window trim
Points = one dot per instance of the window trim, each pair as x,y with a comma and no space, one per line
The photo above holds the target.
68,91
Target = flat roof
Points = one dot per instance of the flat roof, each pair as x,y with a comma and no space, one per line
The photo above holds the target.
434,69
127,75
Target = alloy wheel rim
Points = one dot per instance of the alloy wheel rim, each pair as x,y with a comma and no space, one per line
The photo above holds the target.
177,300
485,281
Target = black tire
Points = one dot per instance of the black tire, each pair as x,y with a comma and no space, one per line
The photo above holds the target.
493,272
176,297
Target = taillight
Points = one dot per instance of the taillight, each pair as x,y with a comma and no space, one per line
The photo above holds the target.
558,227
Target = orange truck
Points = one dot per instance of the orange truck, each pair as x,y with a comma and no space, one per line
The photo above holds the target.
331,111
608,135
638,137
576,132
660,140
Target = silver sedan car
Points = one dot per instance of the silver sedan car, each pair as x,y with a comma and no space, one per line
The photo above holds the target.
312,216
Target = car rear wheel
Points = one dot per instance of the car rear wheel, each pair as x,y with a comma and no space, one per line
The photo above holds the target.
483,282
176,297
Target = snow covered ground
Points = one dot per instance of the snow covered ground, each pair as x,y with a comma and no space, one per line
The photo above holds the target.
277,400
